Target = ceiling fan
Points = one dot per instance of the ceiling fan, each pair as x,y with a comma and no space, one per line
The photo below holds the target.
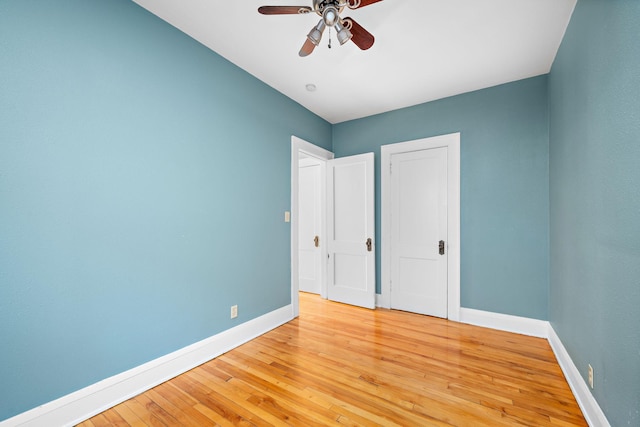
329,10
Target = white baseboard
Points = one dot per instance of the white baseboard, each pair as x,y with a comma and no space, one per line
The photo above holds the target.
82,404
590,408
505,322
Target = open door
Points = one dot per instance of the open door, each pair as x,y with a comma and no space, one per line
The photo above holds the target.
311,212
350,227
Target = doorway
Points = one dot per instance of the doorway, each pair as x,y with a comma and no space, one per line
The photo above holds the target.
346,242
301,149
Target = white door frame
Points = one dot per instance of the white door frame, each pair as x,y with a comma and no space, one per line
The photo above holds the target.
297,146
452,142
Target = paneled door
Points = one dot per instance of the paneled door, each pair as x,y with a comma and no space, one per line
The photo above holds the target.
419,231
309,225
350,227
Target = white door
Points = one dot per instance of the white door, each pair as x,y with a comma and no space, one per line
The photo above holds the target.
309,225
419,231
350,229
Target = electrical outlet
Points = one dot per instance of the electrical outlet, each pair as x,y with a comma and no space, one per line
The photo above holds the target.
590,376
234,311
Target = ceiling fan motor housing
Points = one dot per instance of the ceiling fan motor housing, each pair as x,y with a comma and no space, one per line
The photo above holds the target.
320,6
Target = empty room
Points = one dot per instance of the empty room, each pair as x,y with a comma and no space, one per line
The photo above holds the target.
318,212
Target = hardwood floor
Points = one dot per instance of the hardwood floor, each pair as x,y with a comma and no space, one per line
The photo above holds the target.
338,364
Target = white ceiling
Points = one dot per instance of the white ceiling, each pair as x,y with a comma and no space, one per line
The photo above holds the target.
424,49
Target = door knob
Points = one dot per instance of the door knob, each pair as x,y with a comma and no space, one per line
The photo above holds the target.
441,247
316,241
369,243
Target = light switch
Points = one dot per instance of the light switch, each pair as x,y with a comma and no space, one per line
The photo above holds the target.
287,216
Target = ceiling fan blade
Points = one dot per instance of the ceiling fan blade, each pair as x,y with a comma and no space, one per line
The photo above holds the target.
363,3
284,10
307,48
361,37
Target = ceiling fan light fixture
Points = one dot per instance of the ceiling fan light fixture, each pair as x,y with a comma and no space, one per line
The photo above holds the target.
330,16
343,33
315,35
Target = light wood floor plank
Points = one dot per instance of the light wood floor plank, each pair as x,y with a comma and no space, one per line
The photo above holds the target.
343,365
128,415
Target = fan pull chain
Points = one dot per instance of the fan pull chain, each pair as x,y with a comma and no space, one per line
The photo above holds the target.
329,37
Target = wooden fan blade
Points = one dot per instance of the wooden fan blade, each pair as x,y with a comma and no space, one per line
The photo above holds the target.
361,37
284,10
307,48
364,3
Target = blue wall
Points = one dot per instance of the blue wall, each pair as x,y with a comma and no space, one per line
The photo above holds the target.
143,181
504,187
595,200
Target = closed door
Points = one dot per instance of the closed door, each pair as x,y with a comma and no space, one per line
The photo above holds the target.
350,228
419,232
309,226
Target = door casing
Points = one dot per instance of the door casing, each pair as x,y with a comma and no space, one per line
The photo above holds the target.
452,142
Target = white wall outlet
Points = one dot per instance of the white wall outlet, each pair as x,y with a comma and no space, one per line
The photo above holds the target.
590,376
234,311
